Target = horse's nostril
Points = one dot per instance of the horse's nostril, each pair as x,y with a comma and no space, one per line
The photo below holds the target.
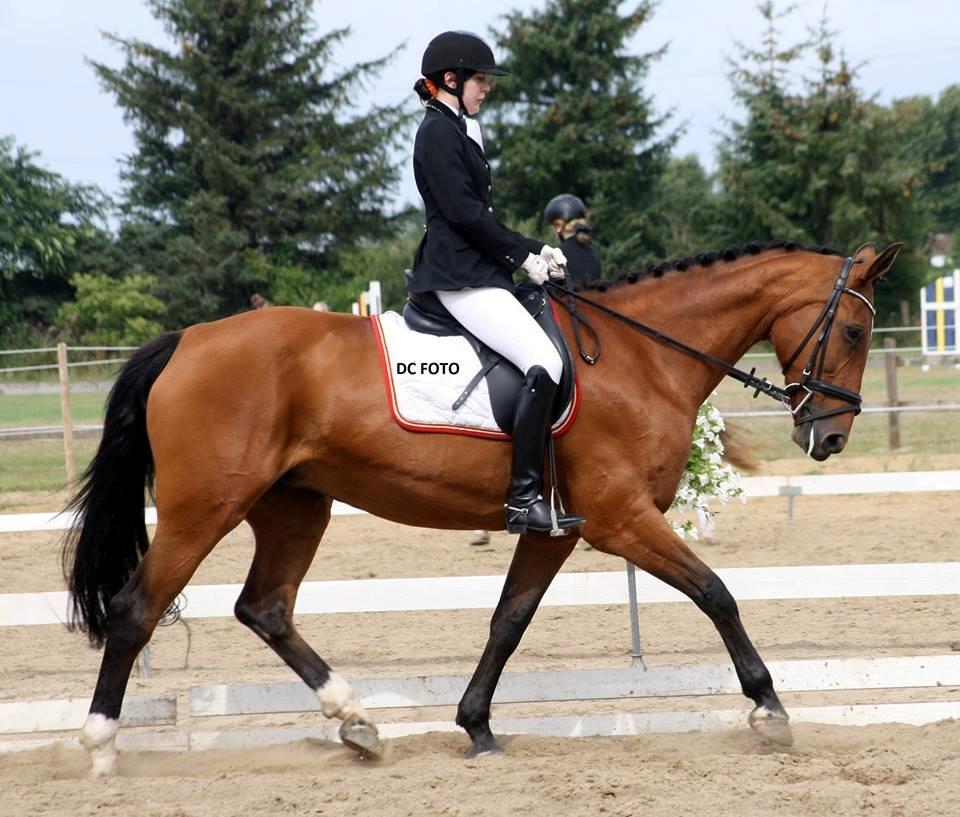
834,443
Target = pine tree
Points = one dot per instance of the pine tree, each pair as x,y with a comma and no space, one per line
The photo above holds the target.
248,155
572,117
689,207
823,163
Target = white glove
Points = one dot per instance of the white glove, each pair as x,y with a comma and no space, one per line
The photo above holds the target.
556,261
536,268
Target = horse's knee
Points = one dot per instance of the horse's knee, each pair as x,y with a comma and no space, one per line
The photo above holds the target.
715,600
270,621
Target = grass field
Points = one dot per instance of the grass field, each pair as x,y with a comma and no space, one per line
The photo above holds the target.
38,465
25,410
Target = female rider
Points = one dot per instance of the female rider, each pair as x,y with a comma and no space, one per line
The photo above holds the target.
467,257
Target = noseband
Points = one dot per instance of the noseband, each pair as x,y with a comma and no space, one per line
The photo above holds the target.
810,380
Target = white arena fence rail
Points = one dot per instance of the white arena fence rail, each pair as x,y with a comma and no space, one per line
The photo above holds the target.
36,723
804,485
940,673
567,589
94,429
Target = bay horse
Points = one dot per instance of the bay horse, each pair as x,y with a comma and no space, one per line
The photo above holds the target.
269,416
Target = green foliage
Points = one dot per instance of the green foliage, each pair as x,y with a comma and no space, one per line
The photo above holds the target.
572,117
690,209
944,183
48,228
112,312
383,261
822,165
250,168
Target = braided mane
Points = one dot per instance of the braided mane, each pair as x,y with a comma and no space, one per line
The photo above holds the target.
707,259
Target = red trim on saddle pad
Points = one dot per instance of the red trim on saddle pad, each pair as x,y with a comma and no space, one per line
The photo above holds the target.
441,428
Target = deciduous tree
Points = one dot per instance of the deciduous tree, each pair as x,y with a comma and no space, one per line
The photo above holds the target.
48,228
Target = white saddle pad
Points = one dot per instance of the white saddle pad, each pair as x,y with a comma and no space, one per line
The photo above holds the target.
425,375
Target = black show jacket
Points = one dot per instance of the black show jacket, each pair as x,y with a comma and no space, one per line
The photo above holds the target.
583,262
464,244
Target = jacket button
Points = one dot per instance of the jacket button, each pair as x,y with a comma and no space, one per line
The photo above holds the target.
490,209
489,187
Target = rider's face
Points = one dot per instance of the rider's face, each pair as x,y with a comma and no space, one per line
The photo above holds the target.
474,90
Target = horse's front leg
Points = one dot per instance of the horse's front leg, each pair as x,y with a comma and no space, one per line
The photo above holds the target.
535,562
646,539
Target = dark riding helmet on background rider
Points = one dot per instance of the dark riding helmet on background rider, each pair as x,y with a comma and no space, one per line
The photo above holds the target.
565,207
568,216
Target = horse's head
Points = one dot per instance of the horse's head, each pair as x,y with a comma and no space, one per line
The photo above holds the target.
822,337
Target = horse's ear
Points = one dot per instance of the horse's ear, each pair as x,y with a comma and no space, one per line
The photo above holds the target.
871,266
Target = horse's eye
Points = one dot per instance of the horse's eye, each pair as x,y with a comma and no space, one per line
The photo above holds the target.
853,334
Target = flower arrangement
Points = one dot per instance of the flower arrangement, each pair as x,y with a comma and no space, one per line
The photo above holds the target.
706,476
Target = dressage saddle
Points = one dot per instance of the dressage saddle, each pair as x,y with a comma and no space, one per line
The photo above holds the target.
424,313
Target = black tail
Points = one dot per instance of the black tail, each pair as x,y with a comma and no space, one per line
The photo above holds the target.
109,537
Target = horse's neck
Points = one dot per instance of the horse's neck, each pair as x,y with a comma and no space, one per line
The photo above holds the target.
721,310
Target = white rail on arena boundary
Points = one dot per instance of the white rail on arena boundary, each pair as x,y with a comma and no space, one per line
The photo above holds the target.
567,589
808,485
938,672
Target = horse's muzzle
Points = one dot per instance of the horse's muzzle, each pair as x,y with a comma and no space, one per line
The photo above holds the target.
817,441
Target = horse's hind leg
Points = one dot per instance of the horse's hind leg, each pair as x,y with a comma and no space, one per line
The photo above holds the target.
288,523
535,562
178,547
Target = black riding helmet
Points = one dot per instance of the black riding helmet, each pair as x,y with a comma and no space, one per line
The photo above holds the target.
565,207
459,51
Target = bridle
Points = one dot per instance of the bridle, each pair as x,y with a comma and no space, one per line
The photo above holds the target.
810,379
810,382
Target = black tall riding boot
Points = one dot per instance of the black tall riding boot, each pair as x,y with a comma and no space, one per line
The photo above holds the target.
526,508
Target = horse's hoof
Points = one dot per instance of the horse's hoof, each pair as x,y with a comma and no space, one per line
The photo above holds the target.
772,726
361,736
483,749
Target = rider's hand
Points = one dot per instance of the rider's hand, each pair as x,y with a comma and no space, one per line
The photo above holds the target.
536,268
556,261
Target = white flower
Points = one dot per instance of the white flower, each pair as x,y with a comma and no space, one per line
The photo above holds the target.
706,476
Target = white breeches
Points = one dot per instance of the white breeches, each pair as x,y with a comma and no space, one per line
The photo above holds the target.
497,318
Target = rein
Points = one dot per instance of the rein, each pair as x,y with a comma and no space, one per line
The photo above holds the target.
761,385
